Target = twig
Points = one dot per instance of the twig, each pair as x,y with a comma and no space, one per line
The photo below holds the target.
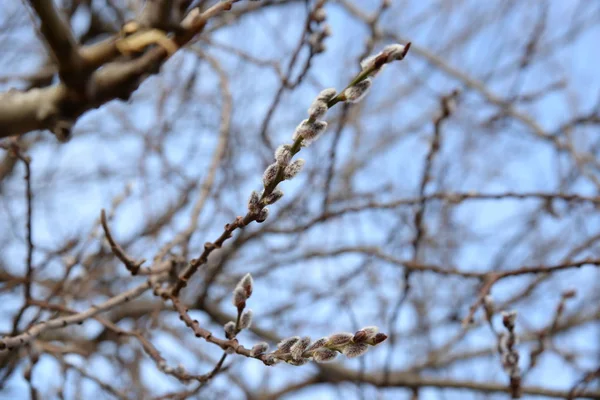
187,393
105,386
486,286
131,265
446,108
578,389
547,332
27,162
450,197
491,278
28,278
57,34
36,330
420,231
333,155
218,155
378,61
28,375
510,356
285,81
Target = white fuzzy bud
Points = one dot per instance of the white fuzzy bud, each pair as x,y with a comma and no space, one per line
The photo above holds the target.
259,348
315,40
270,174
286,344
317,110
274,196
326,95
324,355
271,359
370,331
368,62
309,131
395,52
246,319
283,155
319,15
309,140
378,338
247,284
293,169
355,349
253,201
298,362
340,339
299,347
365,334
357,92
317,344
262,215
229,329
239,298
509,318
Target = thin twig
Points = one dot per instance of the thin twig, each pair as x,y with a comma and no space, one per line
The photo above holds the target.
36,330
131,265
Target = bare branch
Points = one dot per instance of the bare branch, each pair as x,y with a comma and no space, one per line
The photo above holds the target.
131,265
62,43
